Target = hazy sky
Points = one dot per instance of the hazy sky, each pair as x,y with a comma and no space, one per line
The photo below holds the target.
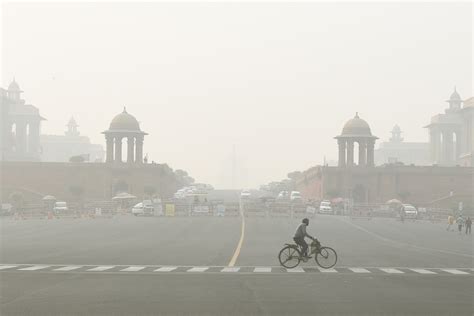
277,81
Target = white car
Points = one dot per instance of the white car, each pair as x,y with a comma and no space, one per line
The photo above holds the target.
245,194
143,208
410,211
60,207
325,208
283,195
295,196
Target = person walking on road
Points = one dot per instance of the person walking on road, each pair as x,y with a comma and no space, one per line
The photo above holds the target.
460,222
450,222
468,225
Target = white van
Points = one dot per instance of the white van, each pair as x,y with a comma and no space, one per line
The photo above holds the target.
325,208
409,210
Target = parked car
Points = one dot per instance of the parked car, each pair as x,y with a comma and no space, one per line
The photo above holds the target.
6,209
283,195
245,194
295,196
60,207
144,208
409,210
325,208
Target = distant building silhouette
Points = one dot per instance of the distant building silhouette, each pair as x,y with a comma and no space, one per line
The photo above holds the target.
60,148
20,126
452,133
396,150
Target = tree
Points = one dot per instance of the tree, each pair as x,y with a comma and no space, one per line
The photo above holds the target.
149,190
17,200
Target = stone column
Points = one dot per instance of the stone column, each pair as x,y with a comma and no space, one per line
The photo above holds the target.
434,145
448,147
459,147
370,152
21,137
139,149
118,149
342,152
362,152
34,141
130,148
350,153
109,140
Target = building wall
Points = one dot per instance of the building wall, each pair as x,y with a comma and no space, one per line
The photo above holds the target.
405,152
37,179
60,148
417,185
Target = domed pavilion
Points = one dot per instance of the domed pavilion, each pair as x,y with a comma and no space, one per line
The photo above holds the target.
124,126
356,130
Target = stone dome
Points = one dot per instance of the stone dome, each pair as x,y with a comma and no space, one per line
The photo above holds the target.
356,127
14,86
455,96
124,122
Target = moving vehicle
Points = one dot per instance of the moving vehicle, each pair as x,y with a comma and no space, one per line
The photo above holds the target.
290,256
409,210
325,208
60,207
295,196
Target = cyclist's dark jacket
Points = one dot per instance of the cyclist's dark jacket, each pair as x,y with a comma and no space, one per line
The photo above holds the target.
301,231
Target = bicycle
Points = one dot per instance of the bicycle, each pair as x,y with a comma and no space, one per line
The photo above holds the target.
291,255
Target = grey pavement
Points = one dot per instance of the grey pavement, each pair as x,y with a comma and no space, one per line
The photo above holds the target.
146,244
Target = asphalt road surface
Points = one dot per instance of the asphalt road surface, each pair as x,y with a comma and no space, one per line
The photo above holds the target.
228,266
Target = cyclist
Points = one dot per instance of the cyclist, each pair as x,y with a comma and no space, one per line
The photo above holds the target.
300,234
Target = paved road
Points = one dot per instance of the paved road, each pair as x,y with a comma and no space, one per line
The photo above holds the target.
435,268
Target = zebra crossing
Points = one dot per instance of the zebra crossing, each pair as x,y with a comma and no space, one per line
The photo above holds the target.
156,269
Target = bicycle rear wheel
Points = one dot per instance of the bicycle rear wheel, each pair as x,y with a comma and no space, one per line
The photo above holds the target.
326,257
289,257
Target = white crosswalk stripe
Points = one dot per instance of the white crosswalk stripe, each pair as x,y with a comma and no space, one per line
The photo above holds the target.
197,269
68,268
166,269
297,269
391,270
359,270
133,269
34,268
236,270
454,271
230,269
101,268
423,271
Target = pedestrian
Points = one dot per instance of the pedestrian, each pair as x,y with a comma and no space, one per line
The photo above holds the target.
460,222
450,222
468,225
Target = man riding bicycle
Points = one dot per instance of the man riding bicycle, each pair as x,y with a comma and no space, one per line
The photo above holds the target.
300,234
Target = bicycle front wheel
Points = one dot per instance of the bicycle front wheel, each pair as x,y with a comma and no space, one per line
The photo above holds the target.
326,257
289,257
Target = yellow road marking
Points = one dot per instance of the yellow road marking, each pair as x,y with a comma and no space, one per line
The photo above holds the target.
239,245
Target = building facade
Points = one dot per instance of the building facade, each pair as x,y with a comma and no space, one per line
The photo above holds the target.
451,133
100,181
364,183
61,148
397,150
21,125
